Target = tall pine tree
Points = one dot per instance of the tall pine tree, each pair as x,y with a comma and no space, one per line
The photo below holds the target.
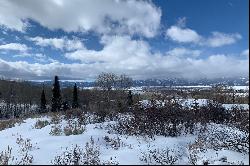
56,96
43,102
75,97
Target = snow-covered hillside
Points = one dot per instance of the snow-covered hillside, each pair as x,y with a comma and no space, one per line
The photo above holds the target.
183,149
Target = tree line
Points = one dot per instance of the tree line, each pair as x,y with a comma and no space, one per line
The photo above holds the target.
19,98
105,81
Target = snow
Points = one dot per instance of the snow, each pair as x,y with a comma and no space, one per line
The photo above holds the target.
230,106
189,102
242,94
56,144
241,87
215,157
194,86
89,88
46,146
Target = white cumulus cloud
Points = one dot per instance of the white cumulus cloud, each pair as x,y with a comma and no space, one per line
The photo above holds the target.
109,16
219,39
185,35
14,46
58,43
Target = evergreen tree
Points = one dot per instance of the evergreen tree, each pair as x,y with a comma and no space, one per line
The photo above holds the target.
56,96
130,98
75,97
43,102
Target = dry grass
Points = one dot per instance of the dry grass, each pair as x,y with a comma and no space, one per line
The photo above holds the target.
4,124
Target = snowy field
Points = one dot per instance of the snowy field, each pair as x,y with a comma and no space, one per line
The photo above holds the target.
141,88
189,103
130,150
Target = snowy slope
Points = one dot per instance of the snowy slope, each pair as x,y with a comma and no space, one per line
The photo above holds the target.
46,146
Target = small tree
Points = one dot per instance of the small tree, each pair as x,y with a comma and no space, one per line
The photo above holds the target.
124,82
130,98
43,102
106,81
56,96
75,97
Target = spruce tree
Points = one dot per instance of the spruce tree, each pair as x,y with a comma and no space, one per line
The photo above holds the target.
75,97
43,102
56,96
130,98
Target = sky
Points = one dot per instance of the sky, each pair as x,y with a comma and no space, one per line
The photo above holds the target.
76,39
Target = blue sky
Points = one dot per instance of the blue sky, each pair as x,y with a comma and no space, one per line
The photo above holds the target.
143,39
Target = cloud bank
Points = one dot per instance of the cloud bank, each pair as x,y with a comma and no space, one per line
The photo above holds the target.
136,59
109,16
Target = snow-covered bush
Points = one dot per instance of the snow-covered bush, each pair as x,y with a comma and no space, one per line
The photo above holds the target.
78,156
73,128
115,143
6,156
56,118
163,156
149,122
56,130
224,137
218,138
69,157
23,158
41,123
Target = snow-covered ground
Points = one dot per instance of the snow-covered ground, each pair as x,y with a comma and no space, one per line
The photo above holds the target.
46,146
230,106
241,87
189,102
141,88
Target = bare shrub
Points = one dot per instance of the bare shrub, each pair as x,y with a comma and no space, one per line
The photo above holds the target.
74,128
56,130
69,157
77,156
56,118
193,150
25,146
92,154
6,157
164,156
222,137
114,143
41,123
74,113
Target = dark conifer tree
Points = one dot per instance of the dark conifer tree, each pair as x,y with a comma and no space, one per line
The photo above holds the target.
56,96
75,97
130,98
43,102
